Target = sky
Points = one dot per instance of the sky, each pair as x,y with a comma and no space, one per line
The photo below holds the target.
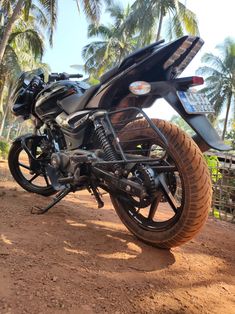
215,18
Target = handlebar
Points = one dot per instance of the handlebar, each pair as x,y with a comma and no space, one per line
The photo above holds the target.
75,75
36,82
62,76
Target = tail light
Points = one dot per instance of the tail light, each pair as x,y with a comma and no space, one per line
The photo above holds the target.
186,82
197,80
180,62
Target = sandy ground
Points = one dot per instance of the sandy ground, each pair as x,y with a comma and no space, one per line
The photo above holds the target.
80,259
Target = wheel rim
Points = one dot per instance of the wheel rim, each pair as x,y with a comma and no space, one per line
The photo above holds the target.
167,206
36,178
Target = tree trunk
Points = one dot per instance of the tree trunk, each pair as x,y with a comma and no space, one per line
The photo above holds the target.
9,133
9,26
160,25
227,113
19,129
6,110
4,118
2,83
77,5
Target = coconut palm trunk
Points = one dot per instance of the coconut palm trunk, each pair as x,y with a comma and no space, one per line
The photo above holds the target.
2,83
227,114
160,25
9,132
9,26
4,118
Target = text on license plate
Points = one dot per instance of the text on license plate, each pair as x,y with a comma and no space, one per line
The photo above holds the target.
195,102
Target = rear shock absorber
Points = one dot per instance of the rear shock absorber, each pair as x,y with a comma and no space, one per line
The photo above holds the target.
109,152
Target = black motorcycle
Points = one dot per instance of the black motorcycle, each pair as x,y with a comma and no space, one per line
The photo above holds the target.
99,138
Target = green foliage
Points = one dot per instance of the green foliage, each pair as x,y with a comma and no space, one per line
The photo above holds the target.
182,124
149,17
113,44
93,81
133,27
216,213
220,80
230,136
4,149
213,165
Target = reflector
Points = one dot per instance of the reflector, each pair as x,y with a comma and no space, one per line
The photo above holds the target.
140,88
197,80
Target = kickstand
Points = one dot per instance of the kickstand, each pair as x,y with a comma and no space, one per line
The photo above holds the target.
39,211
96,194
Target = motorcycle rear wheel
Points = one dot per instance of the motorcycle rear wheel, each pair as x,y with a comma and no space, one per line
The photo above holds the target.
195,184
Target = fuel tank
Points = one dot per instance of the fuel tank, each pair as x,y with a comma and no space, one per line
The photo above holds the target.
58,97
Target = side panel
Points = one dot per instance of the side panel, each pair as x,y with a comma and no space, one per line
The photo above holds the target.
62,96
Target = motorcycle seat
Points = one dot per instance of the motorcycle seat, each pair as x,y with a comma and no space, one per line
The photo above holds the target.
106,76
129,60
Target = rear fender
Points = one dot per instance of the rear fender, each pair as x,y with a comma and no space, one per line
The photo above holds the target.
206,136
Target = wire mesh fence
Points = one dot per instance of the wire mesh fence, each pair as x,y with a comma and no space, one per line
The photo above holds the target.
222,169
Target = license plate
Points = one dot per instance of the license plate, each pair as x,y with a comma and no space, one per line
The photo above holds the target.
195,102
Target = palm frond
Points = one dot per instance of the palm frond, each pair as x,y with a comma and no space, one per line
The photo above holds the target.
31,39
6,7
209,71
39,16
214,61
220,79
51,9
11,63
188,19
92,9
26,9
99,30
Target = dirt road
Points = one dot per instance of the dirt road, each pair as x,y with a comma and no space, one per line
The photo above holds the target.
80,259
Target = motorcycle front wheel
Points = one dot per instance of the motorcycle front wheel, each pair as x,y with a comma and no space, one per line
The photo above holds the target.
181,206
30,180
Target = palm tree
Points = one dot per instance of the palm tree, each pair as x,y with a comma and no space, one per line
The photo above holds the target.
149,17
15,14
41,8
114,44
220,79
47,11
24,44
23,51
92,8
